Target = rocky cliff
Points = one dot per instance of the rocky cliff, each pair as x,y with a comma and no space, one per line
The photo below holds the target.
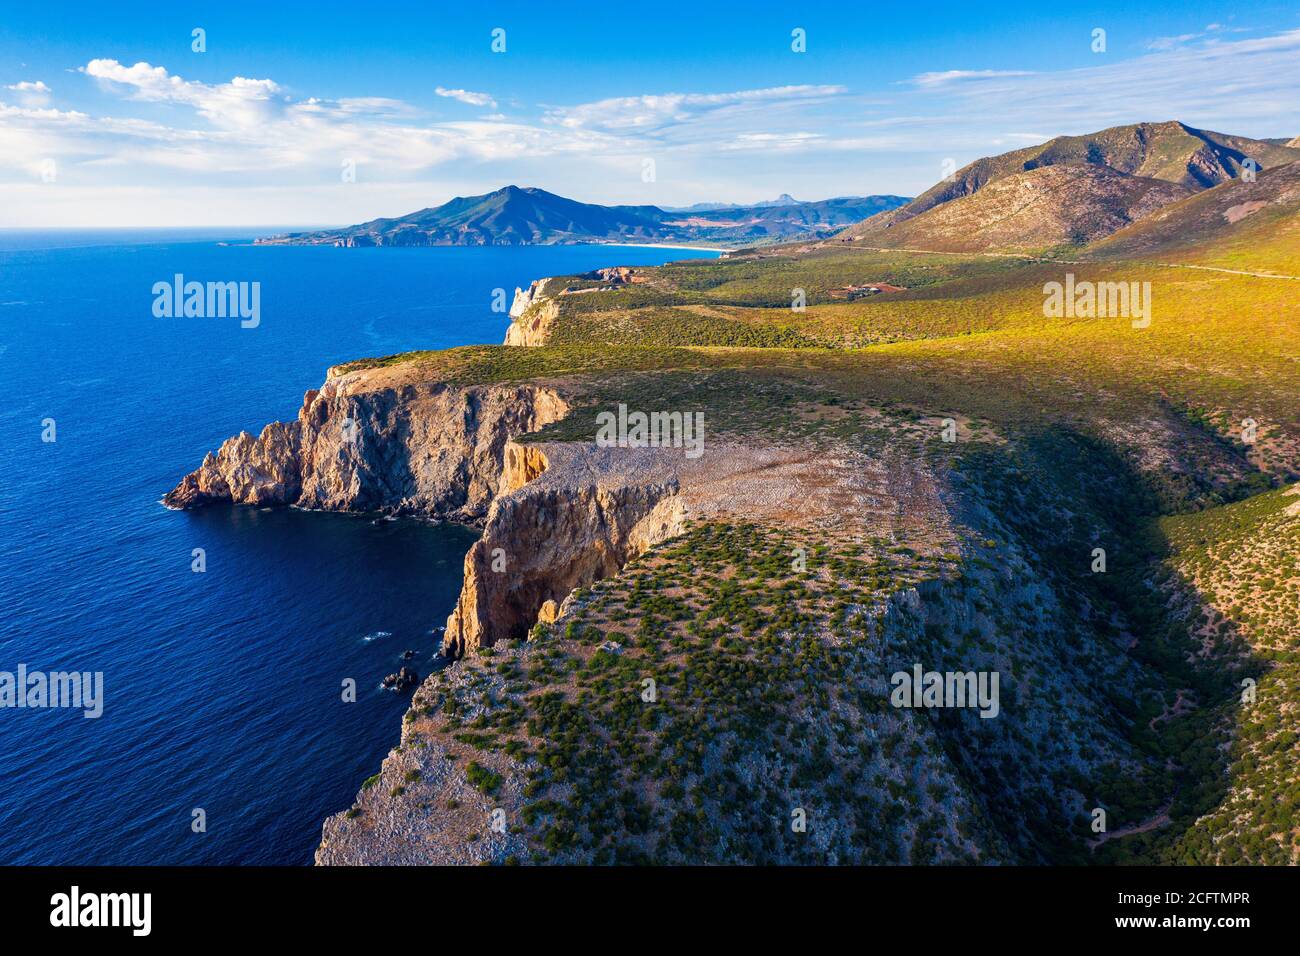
531,315
377,440
543,538
399,441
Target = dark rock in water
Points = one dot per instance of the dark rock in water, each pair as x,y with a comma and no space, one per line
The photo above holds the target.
407,655
404,679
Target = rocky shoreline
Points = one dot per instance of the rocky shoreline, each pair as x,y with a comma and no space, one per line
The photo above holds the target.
556,516
377,440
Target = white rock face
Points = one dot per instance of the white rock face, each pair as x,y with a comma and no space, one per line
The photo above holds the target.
531,315
524,299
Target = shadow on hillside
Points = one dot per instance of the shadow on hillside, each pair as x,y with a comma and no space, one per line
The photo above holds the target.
1126,647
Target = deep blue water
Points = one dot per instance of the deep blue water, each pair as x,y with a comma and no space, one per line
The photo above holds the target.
222,690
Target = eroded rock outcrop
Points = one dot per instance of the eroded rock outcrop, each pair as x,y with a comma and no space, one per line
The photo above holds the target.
534,326
372,440
525,298
531,315
266,470
542,539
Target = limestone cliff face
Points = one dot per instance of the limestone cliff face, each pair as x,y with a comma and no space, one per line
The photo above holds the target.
367,442
266,470
389,440
532,313
525,298
549,531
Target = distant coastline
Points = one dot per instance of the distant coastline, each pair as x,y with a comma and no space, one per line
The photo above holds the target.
721,250
658,245
531,216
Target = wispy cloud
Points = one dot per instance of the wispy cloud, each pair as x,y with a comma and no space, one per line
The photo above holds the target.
278,151
1169,43
660,110
467,96
1223,84
1209,34
31,93
948,77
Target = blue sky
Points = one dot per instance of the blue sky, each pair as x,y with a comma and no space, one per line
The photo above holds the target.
108,117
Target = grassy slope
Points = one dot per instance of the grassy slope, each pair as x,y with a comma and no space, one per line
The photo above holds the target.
1080,432
968,336
1242,562
1265,236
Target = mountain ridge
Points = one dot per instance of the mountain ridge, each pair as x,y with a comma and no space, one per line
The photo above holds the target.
1170,152
515,215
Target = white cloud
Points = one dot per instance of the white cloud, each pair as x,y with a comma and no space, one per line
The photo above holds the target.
31,93
783,141
276,154
945,77
242,102
1169,43
467,96
247,134
657,111
374,105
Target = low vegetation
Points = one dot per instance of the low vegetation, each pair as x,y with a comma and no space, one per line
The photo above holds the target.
725,698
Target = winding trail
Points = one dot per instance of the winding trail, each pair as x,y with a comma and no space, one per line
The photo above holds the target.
1072,262
1160,819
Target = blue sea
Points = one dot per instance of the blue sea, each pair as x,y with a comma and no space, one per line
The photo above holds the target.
222,690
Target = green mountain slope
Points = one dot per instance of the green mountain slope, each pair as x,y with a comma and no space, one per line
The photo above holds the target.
1232,571
519,216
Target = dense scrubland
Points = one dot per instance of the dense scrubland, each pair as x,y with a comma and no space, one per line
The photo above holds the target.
1160,689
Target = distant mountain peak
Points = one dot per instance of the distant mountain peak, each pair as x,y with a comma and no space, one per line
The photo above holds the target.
526,215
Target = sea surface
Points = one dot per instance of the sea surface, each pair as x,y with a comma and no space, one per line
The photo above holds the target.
222,690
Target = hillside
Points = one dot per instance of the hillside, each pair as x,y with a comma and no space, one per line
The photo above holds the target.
1032,211
509,216
1229,226
515,216
688,654
1232,575
1173,153
778,221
